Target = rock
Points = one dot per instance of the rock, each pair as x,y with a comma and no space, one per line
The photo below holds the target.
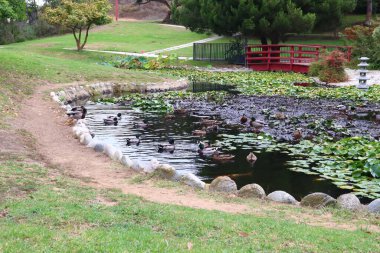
318,200
93,143
85,139
223,184
282,197
126,161
193,181
109,150
117,155
99,147
251,191
349,201
374,206
166,171
137,166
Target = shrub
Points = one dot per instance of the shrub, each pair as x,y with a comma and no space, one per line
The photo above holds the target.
141,62
330,68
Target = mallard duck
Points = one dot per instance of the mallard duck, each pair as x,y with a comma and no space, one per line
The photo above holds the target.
243,119
110,120
139,125
257,124
180,111
167,147
297,134
212,129
119,115
199,132
206,149
169,116
210,122
222,157
251,158
77,112
135,140
280,116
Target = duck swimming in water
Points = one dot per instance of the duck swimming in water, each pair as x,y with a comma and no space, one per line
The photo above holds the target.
77,112
257,124
170,147
135,140
206,149
243,119
251,158
110,120
217,156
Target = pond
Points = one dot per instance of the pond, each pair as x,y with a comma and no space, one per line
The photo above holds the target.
270,171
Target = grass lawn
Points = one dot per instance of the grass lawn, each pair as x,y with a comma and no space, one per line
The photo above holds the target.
40,213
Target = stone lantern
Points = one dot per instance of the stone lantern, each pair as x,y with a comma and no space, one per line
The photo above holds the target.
363,65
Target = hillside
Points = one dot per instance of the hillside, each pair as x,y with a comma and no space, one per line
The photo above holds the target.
151,11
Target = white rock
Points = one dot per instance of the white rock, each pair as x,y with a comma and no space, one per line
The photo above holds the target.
282,197
126,161
109,150
92,143
85,139
193,181
166,171
117,155
137,166
349,201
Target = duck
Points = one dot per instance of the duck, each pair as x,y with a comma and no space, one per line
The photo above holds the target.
212,129
200,132
280,116
243,119
77,112
135,140
206,149
169,116
119,115
167,147
110,120
257,124
297,134
210,122
139,125
251,158
217,156
180,111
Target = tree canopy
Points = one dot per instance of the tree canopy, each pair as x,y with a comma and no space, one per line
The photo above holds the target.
79,16
12,9
266,19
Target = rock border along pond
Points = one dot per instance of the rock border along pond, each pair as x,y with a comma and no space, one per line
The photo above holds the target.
222,184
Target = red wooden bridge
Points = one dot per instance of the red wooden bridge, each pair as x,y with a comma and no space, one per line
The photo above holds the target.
296,58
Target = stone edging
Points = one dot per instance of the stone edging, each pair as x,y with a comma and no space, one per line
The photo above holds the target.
221,184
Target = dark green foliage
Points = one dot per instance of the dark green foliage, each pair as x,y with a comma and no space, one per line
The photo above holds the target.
329,13
141,62
262,18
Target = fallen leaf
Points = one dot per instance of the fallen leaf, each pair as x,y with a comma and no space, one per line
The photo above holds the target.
189,245
243,234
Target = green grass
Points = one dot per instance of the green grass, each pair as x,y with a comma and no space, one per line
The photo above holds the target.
59,215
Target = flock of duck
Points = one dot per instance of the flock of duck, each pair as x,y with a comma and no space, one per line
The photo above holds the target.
205,149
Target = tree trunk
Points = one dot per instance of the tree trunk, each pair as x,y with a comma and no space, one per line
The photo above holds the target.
85,38
368,21
168,18
264,40
77,40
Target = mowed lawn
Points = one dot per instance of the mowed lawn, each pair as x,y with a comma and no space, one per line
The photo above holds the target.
43,214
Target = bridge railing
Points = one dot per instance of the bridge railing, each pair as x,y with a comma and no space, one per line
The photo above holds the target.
285,57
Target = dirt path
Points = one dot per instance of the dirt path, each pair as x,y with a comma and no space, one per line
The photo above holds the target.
43,118
55,145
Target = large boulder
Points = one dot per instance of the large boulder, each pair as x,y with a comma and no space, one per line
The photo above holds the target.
85,139
223,184
318,200
252,191
117,155
349,201
193,181
109,150
282,197
374,206
166,171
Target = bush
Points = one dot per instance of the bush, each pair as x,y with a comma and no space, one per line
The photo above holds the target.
330,68
141,62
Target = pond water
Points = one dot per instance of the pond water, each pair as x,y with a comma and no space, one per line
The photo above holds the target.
270,170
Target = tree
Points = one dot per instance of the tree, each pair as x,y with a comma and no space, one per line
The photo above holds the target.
13,10
79,16
266,19
368,20
170,4
329,13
